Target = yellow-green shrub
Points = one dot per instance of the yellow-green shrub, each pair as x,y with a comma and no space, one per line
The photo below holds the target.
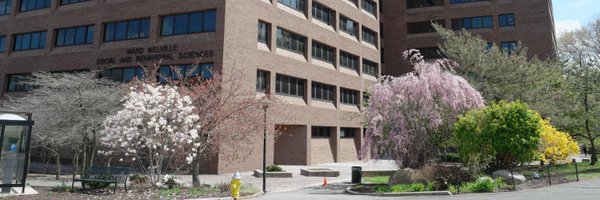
556,145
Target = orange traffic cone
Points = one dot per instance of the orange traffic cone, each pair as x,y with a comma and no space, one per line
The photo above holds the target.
324,182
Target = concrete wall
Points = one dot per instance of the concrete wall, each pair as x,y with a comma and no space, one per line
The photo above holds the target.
321,150
348,149
291,146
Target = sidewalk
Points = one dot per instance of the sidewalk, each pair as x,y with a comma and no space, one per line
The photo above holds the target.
273,184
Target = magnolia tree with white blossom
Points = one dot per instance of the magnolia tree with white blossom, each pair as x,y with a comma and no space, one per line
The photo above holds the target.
412,116
157,129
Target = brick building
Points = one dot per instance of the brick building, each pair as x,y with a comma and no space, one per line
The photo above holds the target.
406,25
317,55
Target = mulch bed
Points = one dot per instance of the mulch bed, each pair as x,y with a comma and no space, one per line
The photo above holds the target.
52,193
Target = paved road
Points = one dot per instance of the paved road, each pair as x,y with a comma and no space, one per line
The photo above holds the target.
585,190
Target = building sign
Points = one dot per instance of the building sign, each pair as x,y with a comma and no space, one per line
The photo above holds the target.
153,54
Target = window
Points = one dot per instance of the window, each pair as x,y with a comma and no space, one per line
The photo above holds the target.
187,71
29,41
75,36
369,36
127,30
318,131
17,83
2,43
263,32
187,23
430,52
489,46
348,60
349,96
473,23
65,2
323,13
506,19
291,41
423,3
347,132
323,92
295,4
369,6
323,52
423,27
464,1
27,5
5,7
348,25
123,74
509,47
287,85
370,67
262,81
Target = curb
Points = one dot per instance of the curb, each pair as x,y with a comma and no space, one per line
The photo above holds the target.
397,194
229,198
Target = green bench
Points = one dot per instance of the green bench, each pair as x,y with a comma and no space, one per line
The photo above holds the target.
108,175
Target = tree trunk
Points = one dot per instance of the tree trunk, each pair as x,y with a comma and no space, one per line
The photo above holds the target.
75,163
85,161
196,172
47,161
57,157
594,157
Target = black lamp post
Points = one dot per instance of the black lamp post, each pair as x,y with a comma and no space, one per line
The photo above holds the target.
264,166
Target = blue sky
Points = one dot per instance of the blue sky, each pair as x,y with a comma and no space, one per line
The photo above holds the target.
572,14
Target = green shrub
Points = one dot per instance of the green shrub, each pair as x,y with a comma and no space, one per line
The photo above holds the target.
274,168
481,185
415,187
498,136
382,188
450,157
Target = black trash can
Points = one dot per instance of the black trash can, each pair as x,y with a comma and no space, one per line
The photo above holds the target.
356,174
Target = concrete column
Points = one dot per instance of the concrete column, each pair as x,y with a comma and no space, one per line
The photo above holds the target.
308,144
335,143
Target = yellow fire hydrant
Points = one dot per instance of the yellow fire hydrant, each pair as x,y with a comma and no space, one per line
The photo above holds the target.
235,185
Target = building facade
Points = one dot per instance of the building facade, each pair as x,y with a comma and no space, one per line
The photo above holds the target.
504,23
318,56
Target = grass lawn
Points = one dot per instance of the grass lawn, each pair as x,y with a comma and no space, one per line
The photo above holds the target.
586,171
376,180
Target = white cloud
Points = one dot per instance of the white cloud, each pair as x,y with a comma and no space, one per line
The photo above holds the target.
563,26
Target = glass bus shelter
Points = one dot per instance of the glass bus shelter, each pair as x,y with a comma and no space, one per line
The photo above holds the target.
15,139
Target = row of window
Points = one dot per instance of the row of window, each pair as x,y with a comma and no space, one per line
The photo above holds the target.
458,24
29,5
186,23
428,3
327,15
18,82
325,132
297,43
296,87
300,5
435,53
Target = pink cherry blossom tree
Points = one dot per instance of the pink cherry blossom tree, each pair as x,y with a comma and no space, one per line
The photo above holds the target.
157,129
411,117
